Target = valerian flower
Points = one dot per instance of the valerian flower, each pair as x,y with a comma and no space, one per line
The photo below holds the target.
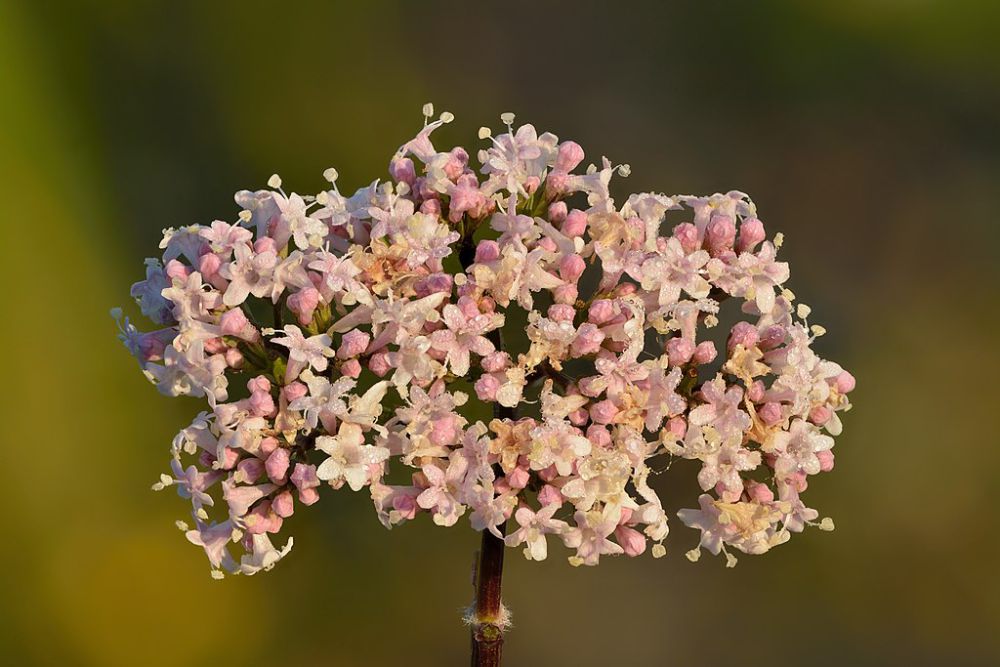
361,325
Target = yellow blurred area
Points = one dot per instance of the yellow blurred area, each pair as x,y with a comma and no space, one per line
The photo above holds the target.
867,132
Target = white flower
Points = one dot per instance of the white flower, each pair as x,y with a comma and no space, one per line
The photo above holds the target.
349,458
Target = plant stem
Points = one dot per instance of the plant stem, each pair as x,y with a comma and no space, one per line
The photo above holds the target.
488,620
487,629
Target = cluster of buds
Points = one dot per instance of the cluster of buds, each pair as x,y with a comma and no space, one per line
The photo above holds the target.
336,338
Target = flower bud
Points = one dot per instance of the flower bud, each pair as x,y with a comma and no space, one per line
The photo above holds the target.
720,235
557,212
632,542
550,495
742,333
570,155
283,504
351,368
679,351
704,353
687,234
575,223
487,251
845,383
751,233
770,413
277,465
571,267
353,343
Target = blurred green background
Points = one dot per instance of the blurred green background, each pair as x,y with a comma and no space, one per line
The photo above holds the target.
868,132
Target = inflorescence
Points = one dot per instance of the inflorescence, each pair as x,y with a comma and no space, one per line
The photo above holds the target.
360,325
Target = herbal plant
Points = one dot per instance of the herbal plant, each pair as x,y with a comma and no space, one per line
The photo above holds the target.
361,325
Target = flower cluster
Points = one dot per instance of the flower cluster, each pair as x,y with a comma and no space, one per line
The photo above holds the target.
336,339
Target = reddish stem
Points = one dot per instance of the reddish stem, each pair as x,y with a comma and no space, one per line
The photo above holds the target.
487,628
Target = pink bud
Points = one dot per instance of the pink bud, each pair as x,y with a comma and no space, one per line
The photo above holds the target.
601,311
487,251
556,183
308,496
677,426
250,469
575,223
283,504
444,430
756,391
588,340
294,391
557,212
550,495
436,282
578,417
720,235
687,234
603,412
303,303
531,184
353,343
770,413
772,337
259,383
455,165
496,362
379,364
406,505
230,457
177,271
486,387
599,435
268,444
566,293
820,415
258,520
234,322
705,353
561,312
277,465
624,289
742,333
679,351
518,478
758,492
261,403
590,386
265,244
631,540
751,233
548,474
209,265
401,170
825,460
214,345
571,267
570,155
304,476
351,368
431,207
468,306
845,383
234,358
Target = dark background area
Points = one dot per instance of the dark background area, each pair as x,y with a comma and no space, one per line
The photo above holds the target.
867,132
